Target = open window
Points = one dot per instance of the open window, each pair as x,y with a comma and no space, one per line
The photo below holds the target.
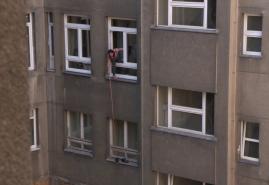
51,62
79,131
30,38
34,125
184,110
250,133
122,36
252,41
123,142
199,14
77,44
168,179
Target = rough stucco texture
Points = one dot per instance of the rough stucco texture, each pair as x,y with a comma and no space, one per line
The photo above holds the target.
14,124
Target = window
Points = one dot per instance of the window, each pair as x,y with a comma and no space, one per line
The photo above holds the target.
250,141
30,43
34,129
77,44
252,43
123,141
187,13
122,35
51,64
168,179
185,110
79,131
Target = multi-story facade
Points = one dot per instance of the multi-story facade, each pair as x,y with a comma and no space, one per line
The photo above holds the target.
184,102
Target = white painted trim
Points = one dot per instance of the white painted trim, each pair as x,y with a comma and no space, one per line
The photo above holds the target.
35,145
51,61
31,51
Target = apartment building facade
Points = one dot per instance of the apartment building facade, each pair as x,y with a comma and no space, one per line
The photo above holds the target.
177,106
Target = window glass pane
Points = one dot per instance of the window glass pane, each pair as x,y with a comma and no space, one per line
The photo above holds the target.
211,14
118,153
254,44
163,12
37,127
210,114
187,98
251,149
52,40
50,17
126,71
184,181
28,19
87,127
73,42
163,179
75,124
86,43
254,23
75,145
118,43
187,16
163,107
32,131
187,120
123,23
28,46
131,41
252,130
132,136
79,65
118,133
78,20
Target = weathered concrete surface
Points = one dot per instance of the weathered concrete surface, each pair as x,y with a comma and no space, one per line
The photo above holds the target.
14,123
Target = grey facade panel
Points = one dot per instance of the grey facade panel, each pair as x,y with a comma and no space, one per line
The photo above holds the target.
183,156
183,60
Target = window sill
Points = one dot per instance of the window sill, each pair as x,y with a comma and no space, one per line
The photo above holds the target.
184,133
51,70
257,57
121,79
196,30
249,162
77,74
79,152
34,149
114,160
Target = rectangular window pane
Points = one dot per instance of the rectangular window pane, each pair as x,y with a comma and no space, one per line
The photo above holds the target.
78,20
73,42
211,14
132,48
32,131
75,130
187,121
187,16
126,71
118,43
132,136
254,44
254,23
75,145
210,114
181,181
79,65
163,107
52,40
37,127
118,133
187,98
163,179
86,43
118,153
252,130
251,149
123,23
163,12
87,127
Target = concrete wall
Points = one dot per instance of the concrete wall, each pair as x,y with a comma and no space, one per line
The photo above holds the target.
15,161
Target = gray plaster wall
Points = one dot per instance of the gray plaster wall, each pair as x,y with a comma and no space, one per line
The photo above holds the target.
15,158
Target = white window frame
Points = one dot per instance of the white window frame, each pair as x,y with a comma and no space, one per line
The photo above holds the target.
243,141
125,31
51,65
79,58
33,117
124,149
170,179
184,109
31,51
250,33
82,141
181,4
